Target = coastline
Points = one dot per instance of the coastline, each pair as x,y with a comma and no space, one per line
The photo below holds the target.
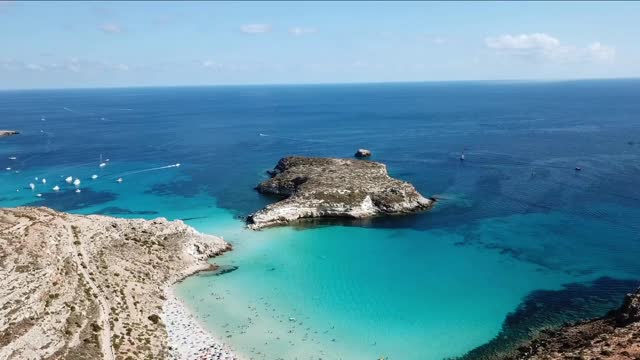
187,338
103,290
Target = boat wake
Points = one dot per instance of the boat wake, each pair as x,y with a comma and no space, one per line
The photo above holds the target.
291,139
146,170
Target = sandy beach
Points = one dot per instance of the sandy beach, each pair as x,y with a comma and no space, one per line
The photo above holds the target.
99,287
187,338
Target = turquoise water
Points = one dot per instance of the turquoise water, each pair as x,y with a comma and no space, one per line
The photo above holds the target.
517,224
354,295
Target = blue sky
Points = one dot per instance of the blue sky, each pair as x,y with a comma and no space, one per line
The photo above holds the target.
107,44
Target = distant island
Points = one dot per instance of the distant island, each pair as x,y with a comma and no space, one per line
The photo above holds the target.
314,187
8,133
96,287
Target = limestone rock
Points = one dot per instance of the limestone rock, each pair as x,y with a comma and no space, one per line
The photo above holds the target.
8,132
78,287
363,153
329,187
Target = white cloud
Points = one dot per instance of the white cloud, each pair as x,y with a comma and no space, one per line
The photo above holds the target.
601,52
298,31
544,47
111,28
439,40
210,64
522,41
74,65
34,67
255,28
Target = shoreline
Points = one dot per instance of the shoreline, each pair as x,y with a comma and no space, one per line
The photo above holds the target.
187,338
103,290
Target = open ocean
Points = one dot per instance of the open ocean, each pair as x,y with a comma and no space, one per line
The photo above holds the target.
520,240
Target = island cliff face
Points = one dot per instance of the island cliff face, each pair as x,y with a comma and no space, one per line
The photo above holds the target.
8,133
329,187
614,336
91,287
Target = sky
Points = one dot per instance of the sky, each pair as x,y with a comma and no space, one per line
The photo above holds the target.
120,44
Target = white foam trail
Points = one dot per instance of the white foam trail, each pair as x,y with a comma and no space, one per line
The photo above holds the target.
291,139
152,169
76,112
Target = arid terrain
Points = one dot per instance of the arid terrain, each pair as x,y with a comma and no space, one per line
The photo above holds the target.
94,287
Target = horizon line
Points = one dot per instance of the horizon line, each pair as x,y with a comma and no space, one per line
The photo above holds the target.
320,83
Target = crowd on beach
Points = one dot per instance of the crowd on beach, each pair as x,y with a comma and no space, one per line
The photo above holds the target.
187,338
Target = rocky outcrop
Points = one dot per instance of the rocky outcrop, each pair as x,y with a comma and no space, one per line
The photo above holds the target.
629,312
329,187
614,336
362,153
91,287
8,132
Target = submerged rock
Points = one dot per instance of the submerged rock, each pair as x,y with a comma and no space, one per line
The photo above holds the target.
329,187
363,153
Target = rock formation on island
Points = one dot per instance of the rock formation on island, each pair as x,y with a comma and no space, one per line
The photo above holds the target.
8,133
614,336
91,287
362,153
331,188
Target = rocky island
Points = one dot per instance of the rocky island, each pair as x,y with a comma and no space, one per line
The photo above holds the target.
96,287
312,187
8,133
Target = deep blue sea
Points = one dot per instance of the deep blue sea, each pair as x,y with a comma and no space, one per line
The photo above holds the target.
520,239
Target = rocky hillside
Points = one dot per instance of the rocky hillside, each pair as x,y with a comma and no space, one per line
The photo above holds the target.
90,287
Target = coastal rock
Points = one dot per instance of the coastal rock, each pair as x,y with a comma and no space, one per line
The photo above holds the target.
8,133
94,287
330,187
363,153
629,312
614,336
